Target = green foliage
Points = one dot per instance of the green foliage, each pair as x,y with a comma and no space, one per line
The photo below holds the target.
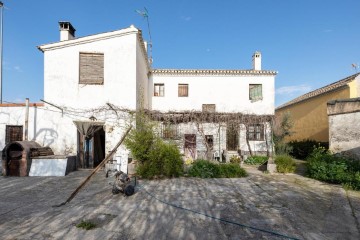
282,148
285,164
231,170
164,159
256,160
302,149
156,157
140,140
235,159
282,127
324,166
204,169
87,225
207,169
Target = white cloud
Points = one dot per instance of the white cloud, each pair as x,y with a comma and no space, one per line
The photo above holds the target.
289,90
327,30
18,69
186,18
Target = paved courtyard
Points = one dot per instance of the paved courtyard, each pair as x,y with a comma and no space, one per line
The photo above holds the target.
260,206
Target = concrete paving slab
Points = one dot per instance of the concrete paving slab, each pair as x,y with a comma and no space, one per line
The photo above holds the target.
288,204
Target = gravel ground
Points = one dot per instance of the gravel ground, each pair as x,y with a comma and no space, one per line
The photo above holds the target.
289,205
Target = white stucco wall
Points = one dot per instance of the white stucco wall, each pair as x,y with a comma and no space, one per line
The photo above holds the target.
142,80
61,74
229,93
344,134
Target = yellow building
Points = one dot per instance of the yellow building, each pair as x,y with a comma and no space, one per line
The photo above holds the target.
309,111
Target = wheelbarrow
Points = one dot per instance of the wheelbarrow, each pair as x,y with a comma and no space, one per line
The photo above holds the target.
122,183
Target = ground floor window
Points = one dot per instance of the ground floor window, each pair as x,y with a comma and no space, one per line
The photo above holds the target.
255,132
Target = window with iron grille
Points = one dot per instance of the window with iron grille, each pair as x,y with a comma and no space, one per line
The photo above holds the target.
210,141
255,92
13,133
169,131
159,90
91,68
255,132
183,90
208,107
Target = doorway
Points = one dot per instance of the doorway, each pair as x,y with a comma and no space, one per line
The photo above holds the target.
232,137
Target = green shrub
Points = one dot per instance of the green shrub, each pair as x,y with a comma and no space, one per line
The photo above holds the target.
231,170
302,149
285,164
283,148
256,160
204,169
235,159
207,169
164,160
87,225
324,166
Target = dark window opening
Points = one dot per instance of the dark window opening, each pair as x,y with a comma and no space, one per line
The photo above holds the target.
255,132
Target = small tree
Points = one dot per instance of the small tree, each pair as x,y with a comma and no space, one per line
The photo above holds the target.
281,129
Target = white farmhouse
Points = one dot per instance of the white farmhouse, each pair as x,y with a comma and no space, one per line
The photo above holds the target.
93,84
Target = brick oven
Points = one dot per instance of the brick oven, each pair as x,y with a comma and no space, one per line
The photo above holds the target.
16,158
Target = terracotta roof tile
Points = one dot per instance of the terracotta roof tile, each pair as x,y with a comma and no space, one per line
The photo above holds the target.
319,91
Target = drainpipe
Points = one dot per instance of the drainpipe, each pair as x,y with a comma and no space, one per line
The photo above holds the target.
26,119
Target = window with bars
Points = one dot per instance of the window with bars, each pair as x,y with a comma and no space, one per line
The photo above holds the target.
255,92
13,133
183,90
91,68
169,131
255,132
210,141
159,90
208,107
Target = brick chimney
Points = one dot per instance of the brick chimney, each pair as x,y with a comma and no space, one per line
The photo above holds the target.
67,31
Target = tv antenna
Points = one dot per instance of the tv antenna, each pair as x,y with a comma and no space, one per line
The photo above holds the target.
145,15
355,67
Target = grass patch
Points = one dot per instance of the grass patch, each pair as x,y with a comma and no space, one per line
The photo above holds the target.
285,164
87,225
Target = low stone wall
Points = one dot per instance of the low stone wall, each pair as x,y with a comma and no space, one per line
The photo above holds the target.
344,127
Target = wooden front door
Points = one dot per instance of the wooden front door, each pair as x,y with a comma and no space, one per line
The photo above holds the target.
232,137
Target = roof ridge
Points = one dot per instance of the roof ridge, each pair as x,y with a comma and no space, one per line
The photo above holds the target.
321,90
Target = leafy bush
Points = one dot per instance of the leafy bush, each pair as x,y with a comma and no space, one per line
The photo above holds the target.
156,157
255,160
235,159
232,170
285,164
302,149
164,160
204,169
207,169
324,166
87,225
283,148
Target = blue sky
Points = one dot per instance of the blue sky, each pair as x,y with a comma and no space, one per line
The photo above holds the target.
310,43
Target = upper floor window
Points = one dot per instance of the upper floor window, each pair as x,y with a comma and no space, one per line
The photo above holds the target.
255,92
183,90
91,68
255,132
208,107
159,90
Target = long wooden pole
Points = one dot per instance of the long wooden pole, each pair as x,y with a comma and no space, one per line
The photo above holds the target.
107,158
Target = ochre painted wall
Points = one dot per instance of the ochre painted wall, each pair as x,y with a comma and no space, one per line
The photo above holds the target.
310,116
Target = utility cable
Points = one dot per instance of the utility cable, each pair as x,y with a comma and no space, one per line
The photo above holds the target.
216,218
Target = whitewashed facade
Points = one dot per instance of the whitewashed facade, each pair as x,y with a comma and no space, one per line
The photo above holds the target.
126,81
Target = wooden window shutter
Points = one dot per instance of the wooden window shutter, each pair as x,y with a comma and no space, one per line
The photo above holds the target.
91,68
183,90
